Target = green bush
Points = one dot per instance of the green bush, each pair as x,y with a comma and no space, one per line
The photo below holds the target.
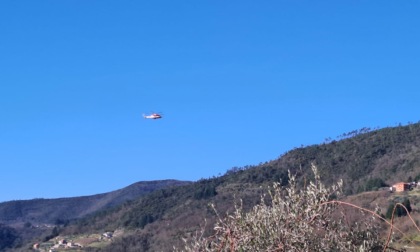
399,210
374,184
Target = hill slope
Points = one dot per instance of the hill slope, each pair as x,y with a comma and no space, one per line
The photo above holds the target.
51,211
364,159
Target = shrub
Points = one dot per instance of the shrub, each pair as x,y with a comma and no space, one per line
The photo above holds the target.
292,220
374,184
8,237
399,210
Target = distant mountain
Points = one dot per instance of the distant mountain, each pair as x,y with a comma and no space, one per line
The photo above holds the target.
57,211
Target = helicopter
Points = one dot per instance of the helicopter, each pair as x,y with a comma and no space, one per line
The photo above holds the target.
153,116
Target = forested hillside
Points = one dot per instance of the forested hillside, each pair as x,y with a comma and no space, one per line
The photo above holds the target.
38,217
51,211
364,159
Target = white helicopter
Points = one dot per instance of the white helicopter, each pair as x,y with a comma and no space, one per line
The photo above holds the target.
153,116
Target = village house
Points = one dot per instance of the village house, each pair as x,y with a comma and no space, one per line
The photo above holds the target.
36,246
400,187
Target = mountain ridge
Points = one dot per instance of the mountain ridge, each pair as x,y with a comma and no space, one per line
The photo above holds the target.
50,211
365,160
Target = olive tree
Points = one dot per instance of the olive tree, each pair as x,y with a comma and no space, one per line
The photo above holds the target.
292,219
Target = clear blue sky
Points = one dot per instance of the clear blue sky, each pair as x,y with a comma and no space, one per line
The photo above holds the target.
239,83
